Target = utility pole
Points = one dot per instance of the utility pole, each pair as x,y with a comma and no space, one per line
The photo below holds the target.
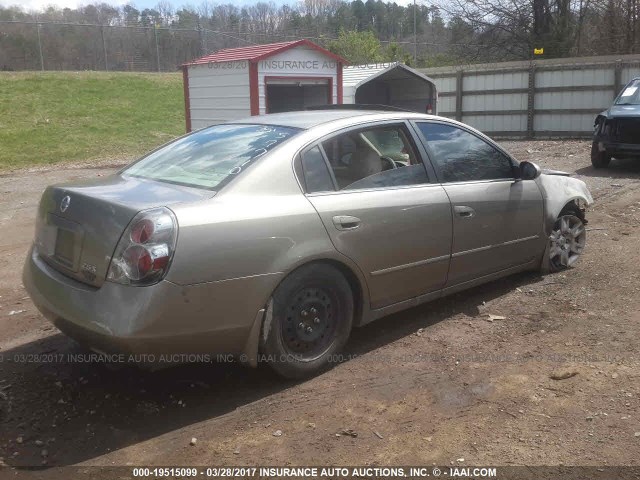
203,45
155,31
415,37
104,49
40,46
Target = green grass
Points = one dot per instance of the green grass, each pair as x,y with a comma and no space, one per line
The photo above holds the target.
53,117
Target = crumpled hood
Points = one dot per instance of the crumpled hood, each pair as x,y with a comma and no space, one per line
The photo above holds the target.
622,111
555,172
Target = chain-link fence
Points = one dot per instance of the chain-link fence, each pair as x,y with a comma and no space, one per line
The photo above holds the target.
67,46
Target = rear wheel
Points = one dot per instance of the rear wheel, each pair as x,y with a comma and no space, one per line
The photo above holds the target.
599,159
567,239
310,320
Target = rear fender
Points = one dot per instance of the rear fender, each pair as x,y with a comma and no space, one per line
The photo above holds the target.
355,278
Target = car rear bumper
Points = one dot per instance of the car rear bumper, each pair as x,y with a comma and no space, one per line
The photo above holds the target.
208,318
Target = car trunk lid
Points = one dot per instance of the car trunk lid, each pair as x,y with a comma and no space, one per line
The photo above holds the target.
79,225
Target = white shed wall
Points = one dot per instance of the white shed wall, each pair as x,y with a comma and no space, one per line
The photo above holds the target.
218,94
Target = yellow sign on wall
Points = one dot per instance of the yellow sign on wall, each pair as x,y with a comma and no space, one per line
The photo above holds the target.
538,51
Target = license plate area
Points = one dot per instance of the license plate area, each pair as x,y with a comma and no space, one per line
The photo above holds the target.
66,238
64,249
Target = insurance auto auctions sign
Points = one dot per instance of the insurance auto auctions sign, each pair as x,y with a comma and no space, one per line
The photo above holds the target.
314,65
302,60
318,472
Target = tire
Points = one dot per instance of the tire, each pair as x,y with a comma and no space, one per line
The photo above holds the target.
599,159
310,321
567,240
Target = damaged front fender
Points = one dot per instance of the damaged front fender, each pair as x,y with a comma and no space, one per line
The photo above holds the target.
558,191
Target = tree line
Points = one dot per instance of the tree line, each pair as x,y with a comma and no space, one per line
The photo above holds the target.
446,31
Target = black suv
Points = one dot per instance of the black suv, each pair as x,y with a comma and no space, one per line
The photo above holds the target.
617,129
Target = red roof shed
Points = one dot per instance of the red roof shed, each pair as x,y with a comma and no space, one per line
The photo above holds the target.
237,82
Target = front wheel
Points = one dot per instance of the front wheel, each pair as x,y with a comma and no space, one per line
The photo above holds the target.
308,321
599,159
567,239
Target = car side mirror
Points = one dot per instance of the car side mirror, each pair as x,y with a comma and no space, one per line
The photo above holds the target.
529,171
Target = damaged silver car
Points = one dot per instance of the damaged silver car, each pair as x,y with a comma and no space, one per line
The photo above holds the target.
617,129
270,238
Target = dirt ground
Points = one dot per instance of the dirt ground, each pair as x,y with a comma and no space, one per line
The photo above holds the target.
438,384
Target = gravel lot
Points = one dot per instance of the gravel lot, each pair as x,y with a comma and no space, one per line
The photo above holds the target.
438,384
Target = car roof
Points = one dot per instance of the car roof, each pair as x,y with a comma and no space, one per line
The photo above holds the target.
312,119
307,118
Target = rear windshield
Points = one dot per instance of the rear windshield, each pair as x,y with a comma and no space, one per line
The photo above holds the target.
210,157
630,95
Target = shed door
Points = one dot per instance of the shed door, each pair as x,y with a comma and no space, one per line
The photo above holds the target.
290,94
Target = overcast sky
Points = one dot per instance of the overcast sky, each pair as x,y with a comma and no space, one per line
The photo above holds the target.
139,4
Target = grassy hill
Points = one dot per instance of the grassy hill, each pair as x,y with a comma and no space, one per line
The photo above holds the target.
53,117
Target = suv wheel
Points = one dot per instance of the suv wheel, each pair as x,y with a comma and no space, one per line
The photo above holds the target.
599,159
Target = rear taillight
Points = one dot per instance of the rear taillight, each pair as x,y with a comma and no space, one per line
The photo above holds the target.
145,249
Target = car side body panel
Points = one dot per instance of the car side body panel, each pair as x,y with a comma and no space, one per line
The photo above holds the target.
240,236
234,249
402,241
496,225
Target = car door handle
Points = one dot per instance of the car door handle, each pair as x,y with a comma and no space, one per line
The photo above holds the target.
346,222
464,211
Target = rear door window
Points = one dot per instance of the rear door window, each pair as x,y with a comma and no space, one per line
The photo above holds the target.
315,171
377,157
460,156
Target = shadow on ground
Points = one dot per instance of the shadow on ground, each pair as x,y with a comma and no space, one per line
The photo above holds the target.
623,168
77,411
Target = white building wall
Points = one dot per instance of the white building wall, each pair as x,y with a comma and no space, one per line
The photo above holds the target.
573,100
630,72
577,78
498,81
568,95
297,62
564,122
497,123
218,93
493,102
